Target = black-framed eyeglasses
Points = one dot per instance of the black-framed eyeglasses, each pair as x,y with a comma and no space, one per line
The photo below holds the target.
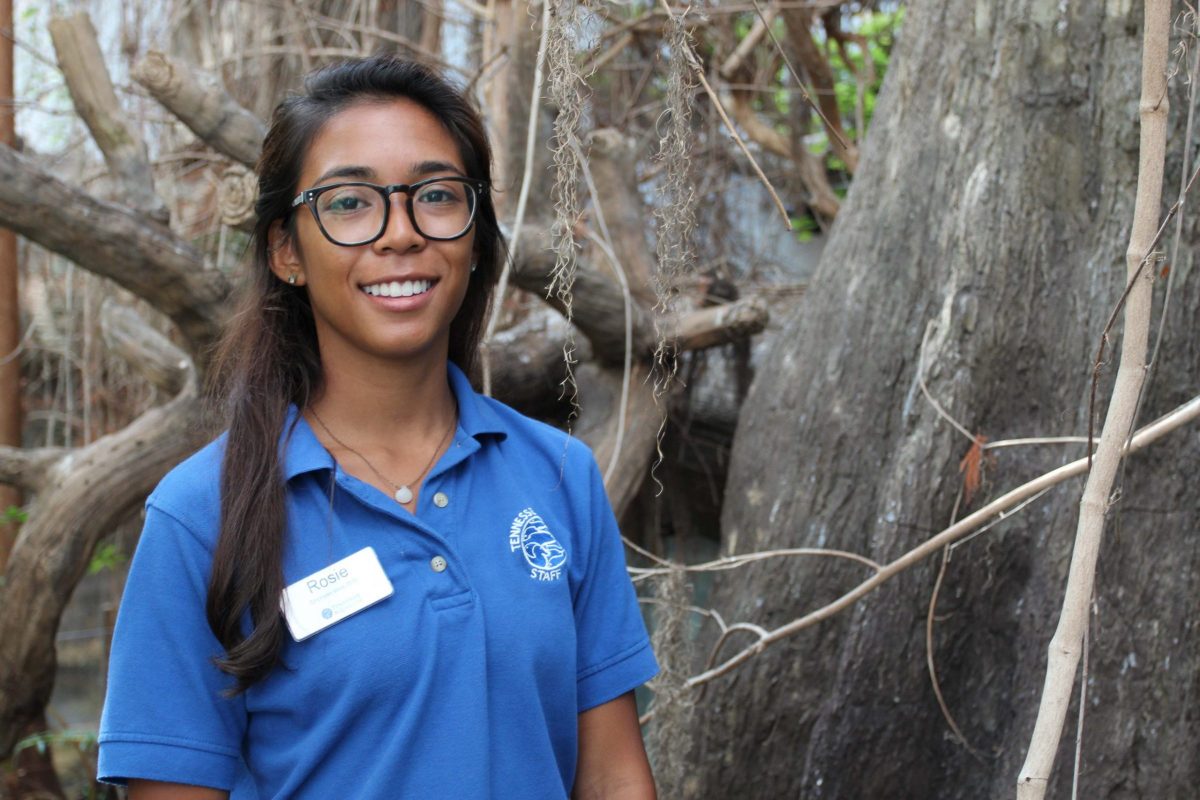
356,213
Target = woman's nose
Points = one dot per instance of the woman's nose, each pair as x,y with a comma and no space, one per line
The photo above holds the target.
400,232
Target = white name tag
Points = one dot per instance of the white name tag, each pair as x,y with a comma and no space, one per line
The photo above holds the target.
328,596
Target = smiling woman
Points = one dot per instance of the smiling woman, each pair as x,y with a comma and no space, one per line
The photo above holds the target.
376,583
353,245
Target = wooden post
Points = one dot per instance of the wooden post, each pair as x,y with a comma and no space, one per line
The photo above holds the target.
10,309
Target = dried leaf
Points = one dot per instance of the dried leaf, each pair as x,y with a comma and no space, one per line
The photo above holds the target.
971,468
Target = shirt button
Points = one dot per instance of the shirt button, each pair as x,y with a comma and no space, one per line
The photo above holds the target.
441,500
438,564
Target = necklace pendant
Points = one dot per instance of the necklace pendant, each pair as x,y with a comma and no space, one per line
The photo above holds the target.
403,494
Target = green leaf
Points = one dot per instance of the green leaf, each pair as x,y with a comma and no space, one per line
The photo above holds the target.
107,556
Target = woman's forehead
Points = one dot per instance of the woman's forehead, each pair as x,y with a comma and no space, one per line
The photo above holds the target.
396,140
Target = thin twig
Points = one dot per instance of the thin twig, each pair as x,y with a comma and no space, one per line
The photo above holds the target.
829,126
925,390
1003,515
1035,440
20,348
716,101
606,246
1147,435
1098,364
732,562
929,660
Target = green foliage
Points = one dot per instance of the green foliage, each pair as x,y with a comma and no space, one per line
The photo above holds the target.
805,228
14,514
107,556
879,29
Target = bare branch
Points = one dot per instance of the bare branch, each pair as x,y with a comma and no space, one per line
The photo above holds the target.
599,307
698,68
146,350
740,560
718,325
92,92
203,105
117,243
1000,506
729,68
26,468
1067,643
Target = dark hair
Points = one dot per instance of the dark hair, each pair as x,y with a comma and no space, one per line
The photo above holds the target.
268,358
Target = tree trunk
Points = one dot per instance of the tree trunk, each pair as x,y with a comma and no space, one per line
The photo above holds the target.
994,200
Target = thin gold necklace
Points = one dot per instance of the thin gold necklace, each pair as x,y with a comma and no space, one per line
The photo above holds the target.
402,492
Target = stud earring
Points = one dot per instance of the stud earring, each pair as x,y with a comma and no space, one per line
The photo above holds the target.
474,266
292,279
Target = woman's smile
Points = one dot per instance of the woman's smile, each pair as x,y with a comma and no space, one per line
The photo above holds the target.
396,288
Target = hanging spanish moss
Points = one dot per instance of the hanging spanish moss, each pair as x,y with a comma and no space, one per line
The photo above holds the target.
669,740
676,210
565,93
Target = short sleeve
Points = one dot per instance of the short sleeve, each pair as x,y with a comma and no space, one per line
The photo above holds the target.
165,715
614,654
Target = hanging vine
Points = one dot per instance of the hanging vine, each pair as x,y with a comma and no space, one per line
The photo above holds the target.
676,211
565,93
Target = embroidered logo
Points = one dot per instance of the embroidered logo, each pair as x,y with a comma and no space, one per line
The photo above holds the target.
544,555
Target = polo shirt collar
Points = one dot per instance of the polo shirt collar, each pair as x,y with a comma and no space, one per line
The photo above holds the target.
476,417
301,451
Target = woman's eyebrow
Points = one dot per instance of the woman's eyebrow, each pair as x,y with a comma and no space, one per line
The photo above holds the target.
362,173
435,167
349,171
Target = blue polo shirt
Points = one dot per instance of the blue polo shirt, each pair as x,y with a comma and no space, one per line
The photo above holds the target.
511,613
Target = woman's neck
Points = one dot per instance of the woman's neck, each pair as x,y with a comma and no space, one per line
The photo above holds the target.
396,401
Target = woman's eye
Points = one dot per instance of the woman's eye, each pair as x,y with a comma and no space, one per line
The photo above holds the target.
345,202
440,194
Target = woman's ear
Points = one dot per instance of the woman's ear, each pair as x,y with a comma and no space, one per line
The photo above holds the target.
281,251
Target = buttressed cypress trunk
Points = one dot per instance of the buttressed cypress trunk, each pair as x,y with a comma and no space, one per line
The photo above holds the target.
993,199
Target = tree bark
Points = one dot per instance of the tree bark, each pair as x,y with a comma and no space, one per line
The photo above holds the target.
993,197
95,100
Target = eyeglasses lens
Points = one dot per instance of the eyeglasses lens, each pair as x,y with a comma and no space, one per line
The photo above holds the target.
352,214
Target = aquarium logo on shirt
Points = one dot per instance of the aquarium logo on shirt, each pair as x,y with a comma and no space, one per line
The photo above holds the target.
544,555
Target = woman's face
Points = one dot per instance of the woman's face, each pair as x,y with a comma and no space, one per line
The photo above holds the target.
384,142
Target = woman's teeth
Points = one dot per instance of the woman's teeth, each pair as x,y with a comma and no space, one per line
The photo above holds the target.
398,288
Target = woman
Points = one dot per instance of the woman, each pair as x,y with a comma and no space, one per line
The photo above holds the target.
457,621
